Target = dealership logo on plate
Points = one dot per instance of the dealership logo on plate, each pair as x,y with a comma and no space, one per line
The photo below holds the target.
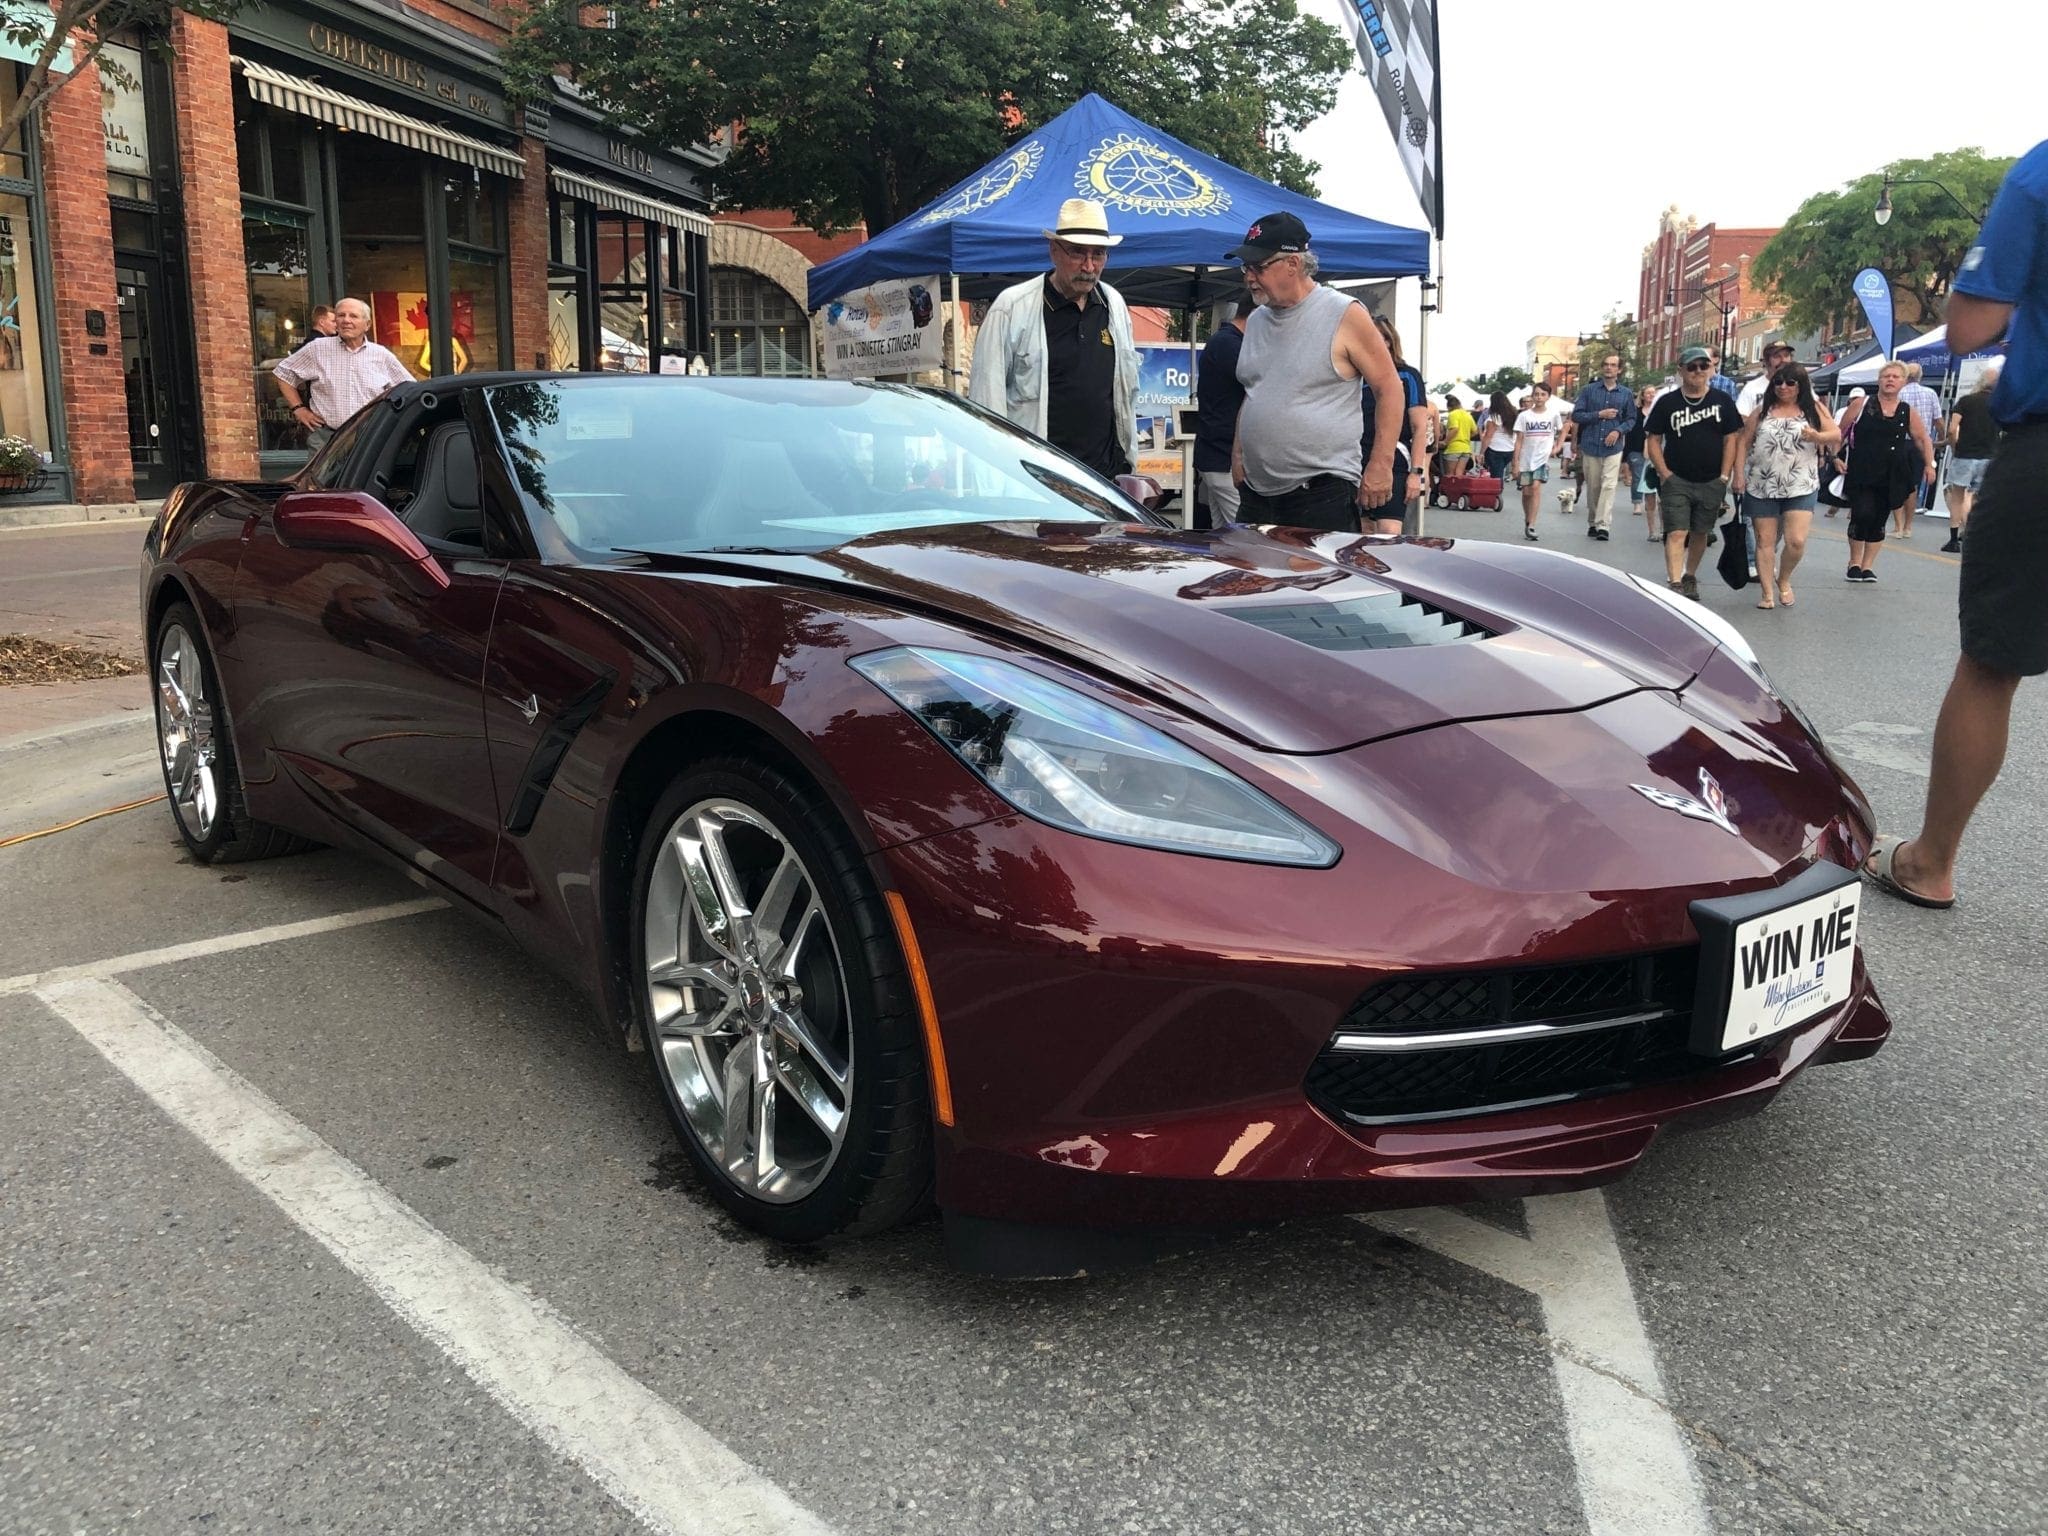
1712,804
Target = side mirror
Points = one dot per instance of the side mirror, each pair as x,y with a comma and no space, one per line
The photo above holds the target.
353,522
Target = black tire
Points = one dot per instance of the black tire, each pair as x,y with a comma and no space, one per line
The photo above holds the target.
1464,503
232,836
881,1172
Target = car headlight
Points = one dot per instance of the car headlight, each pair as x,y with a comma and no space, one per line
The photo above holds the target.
1061,757
1729,639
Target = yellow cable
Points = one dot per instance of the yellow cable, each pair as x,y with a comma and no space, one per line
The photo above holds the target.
66,826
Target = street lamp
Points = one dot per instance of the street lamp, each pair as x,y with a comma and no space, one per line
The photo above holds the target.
1883,212
1712,293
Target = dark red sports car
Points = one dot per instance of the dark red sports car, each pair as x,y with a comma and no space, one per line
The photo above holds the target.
943,826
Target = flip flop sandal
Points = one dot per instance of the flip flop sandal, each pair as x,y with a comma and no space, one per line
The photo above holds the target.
1877,869
1767,603
1784,597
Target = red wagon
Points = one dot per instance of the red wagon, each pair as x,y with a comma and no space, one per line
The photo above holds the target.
1465,491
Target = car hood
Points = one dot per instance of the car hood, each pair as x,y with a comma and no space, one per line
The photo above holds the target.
1289,640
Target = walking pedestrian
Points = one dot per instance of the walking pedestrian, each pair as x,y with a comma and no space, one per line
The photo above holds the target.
1836,470
1642,491
1536,430
1756,392
2001,288
1887,462
1777,474
1606,413
1306,350
1720,380
1055,354
1416,423
338,374
1926,407
1499,439
1459,429
1972,434
1218,398
1692,438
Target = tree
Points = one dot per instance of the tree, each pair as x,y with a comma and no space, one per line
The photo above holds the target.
1813,261
1618,333
82,26
1505,380
868,109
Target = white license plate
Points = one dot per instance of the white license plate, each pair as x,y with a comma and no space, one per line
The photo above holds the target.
1791,965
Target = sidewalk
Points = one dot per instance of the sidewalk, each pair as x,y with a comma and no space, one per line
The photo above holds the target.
48,513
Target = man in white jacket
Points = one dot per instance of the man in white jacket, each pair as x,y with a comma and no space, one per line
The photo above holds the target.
1055,354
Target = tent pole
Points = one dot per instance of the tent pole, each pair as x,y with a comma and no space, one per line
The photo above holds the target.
1431,288
958,350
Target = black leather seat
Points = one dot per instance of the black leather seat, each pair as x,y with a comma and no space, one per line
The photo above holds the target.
447,504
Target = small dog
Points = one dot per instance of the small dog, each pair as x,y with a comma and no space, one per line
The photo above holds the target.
1567,497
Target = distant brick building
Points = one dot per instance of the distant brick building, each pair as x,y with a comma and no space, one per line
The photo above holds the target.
1695,288
162,246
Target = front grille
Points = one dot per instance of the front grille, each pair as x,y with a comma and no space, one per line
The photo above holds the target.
1384,621
1649,996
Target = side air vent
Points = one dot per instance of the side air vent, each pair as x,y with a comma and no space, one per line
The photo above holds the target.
1385,621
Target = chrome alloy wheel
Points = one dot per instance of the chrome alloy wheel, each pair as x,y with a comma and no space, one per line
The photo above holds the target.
747,999
184,731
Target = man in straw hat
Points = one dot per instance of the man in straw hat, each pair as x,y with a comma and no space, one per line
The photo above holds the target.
1055,354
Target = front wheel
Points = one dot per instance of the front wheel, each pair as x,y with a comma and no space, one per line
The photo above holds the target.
200,778
776,1009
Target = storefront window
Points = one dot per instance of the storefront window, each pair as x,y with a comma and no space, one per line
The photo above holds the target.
280,316
622,294
470,199
757,330
24,391
565,322
473,313
12,161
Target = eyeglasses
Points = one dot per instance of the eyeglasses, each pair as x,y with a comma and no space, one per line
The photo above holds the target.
1081,252
1260,266
1698,367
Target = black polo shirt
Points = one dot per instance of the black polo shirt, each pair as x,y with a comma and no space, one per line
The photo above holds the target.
1080,381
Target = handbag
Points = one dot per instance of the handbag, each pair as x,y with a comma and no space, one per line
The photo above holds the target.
1733,561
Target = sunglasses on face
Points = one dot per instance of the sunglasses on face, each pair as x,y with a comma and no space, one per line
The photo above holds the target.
1698,367
1784,383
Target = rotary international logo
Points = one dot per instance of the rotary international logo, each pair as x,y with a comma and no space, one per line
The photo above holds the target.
1138,176
992,185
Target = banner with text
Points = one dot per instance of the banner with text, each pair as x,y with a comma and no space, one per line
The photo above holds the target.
1397,44
885,328
1874,293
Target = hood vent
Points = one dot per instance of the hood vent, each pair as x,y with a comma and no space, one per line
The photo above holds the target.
1385,621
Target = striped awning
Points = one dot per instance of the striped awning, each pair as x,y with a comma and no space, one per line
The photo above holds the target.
275,88
607,195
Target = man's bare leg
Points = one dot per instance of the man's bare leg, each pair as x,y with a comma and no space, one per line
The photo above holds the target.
1969,749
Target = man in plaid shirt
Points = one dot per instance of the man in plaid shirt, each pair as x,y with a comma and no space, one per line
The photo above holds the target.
340,374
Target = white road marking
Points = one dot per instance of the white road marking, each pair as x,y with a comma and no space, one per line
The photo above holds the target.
200,949
1635,1469
1883,745
655,1462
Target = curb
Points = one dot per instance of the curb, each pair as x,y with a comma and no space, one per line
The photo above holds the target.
67,513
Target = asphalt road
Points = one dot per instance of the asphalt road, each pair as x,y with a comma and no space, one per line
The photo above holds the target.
1824,1319
73,585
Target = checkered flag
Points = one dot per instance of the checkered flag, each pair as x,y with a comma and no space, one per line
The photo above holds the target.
1396,40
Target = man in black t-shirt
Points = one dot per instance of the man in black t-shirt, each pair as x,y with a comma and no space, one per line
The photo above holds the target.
1691,436
1972,434
1218,399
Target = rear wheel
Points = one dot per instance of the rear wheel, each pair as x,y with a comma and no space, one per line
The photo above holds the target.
1464,503
776,1011
200,778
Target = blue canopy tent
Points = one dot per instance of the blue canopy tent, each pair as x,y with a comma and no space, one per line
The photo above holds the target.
1180,213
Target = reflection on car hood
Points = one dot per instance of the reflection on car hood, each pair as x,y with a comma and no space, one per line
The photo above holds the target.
1290,640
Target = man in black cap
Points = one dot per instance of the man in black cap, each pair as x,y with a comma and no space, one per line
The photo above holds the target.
1306,350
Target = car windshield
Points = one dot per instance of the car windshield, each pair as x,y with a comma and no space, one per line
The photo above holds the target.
680,464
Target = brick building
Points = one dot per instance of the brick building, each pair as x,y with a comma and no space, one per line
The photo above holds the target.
1695,288
162,246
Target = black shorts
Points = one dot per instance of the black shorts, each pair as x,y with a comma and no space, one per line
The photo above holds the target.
1870,512
1327,502
2003,594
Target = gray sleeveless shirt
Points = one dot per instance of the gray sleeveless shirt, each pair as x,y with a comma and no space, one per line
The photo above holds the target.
1300,418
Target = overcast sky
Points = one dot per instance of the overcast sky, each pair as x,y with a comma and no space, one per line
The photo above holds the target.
1563,144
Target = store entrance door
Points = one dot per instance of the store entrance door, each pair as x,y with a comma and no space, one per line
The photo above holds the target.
145,356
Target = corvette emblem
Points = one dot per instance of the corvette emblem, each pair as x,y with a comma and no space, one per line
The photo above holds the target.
1712,804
